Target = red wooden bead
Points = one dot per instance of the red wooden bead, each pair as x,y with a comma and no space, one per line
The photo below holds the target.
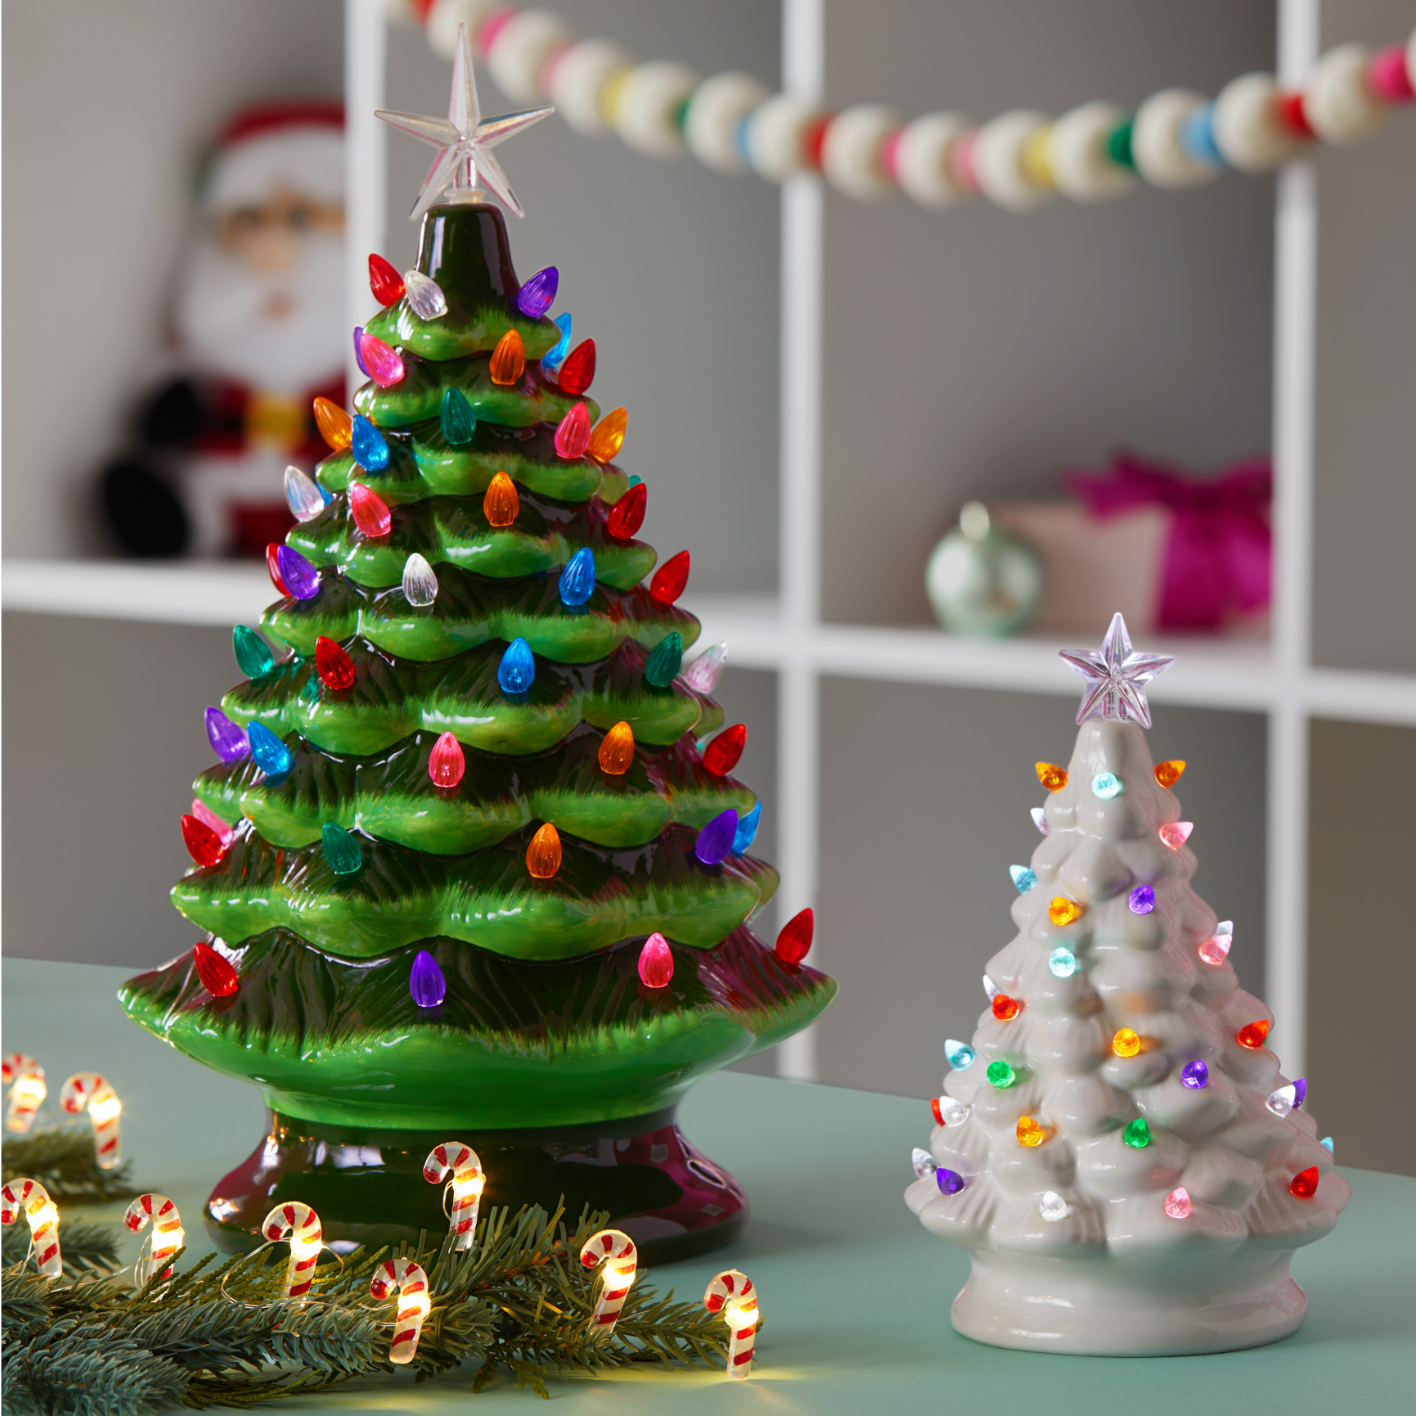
1304,1184
273,566
721,755
578,371
670,578
446,762
1005,1009
384,281
1253,1034
627,514
217,976
333,665
370,511
203,844
794,941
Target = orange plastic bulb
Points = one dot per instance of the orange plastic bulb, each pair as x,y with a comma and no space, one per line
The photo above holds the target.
1253,1034
1030,1132
1168,773
1063,911
1005,1009
446,762
335,425
617,750
1053,777
508,359
543,855
501,504
608,437
1126,1043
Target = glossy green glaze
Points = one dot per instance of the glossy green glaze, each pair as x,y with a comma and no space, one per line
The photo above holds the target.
461,331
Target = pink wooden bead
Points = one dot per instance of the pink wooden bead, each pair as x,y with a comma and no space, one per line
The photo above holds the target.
1389,76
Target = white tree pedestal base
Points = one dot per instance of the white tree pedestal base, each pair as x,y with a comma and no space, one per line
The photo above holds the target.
1164,1306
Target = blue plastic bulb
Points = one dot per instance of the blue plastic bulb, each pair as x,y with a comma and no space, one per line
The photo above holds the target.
368,445
253,656
341,851
715,840
747,830
268,752
227,740
577,582
958,1054
426,982
554,357
517,670
1106,785
1023,878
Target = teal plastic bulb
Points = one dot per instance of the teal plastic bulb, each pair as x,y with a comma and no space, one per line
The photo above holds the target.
253,656
663,664
341,851
455,418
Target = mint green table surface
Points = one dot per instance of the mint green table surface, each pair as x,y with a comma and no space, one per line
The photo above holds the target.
855,1294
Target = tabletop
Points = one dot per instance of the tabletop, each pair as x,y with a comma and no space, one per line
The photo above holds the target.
855,1294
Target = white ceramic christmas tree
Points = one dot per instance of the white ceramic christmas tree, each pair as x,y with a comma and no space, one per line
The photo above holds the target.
1117,1149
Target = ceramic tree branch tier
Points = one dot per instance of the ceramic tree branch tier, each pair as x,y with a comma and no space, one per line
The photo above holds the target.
1117,1148
470,868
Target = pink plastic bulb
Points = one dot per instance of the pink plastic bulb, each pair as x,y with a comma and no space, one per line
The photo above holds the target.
1176,833
656,962
208,817
1177,1203
381,360
446,762
573,435
1215,948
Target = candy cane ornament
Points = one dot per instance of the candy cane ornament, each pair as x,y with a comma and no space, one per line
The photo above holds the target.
301,1226
468,1181
167,1233
87,1090
407,1279
615,1249
28,1091
731,1293
30,1198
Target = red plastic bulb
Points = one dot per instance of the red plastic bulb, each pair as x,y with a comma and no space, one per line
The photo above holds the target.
385,281
1304,1184
217,976
578,371
1005,1009
272,565
573,433
203,844
1253,1034
446,762
794,941
333,665
721,755
370,511
656,962
669,580
627,514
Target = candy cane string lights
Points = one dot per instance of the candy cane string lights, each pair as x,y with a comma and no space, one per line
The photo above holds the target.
87,1090
301,1226
168,1236
407,1279
26,1078
731,1293
461,1162
31,1199
615,1249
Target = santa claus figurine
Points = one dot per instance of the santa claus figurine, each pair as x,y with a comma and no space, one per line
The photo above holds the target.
257,332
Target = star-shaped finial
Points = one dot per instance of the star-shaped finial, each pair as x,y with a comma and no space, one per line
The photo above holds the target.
1116,677
464,141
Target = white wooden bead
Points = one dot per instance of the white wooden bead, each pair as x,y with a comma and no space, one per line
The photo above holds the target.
998,161
1156,145
578,81
776,134
851,154
715,113
444,18
519,54
922,159
1247,128
1081,165
1338,102
647,108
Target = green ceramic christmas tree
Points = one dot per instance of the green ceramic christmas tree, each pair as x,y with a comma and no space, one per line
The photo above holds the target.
453,818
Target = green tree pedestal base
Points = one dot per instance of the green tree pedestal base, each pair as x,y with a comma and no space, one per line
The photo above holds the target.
367,1186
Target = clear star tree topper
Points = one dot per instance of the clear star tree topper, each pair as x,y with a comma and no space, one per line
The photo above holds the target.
1116,1147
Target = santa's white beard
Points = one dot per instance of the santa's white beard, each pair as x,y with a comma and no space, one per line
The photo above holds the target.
226,326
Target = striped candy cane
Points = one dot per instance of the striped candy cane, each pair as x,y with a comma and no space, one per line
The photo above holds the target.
462,1163
167,1233
88,1089
301,1226
407,1279
30,1198
615,1249
29,1090
731,1293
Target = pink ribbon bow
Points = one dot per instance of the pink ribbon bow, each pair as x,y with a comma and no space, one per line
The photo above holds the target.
1219,556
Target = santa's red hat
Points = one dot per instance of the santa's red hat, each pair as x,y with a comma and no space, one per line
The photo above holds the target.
294,143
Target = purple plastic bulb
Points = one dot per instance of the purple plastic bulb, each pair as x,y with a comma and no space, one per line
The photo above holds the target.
227,740
539,293
300,577
359,353
1142,897
1300,1091
950,1182
715,840
426,982
1195,1076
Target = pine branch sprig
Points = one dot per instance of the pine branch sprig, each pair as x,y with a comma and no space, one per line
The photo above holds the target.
63,1160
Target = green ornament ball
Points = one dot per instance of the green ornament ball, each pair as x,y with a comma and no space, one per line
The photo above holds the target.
982,581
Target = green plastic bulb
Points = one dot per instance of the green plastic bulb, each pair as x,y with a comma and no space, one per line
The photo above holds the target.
253,656
1137,1134
341,850
456,419
1001,1075
663,664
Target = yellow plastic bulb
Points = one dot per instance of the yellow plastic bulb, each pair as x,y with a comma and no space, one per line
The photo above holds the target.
335,425
501,504
1037,157
617,750
1030,1132
1126,1043
1168,773
608,437
1053,777
508,359
1063,911
543,855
